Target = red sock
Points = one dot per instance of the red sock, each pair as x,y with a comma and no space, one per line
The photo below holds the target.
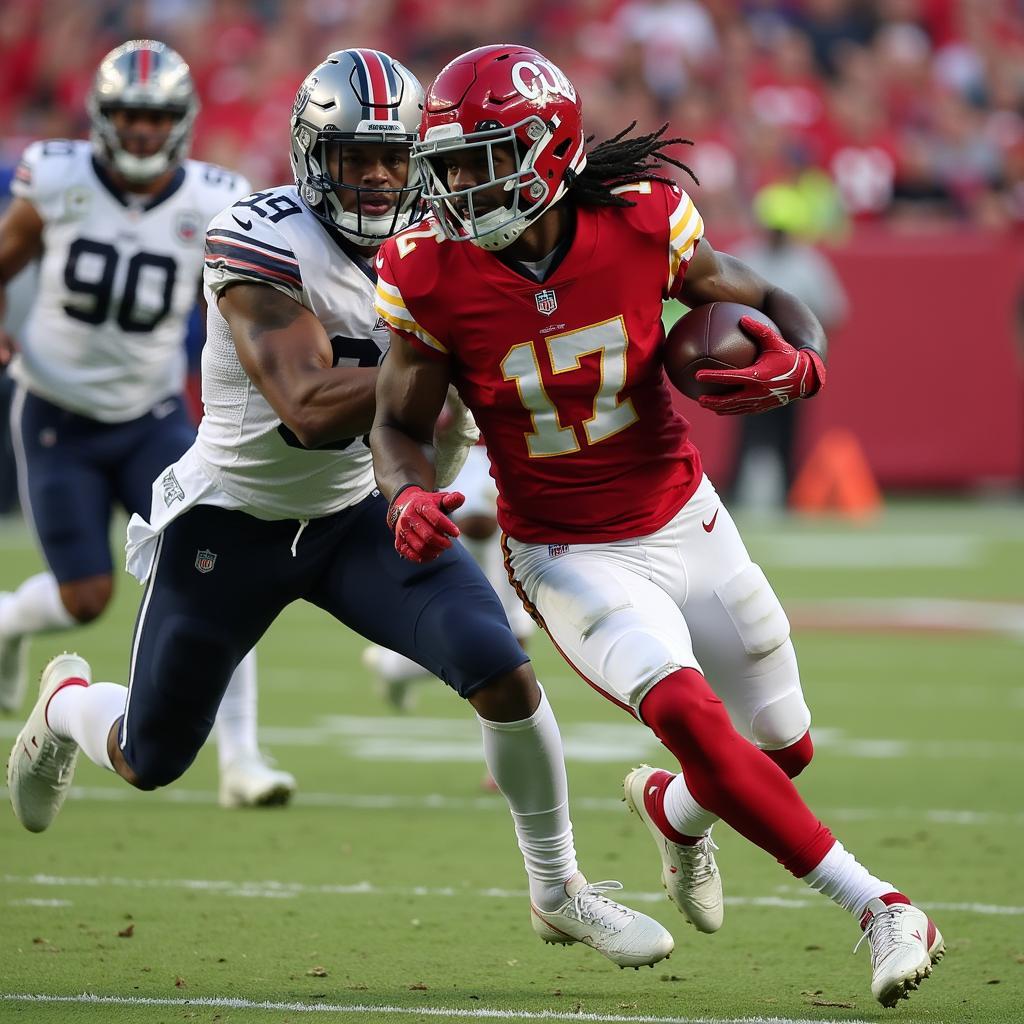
794,758
731,777
654,804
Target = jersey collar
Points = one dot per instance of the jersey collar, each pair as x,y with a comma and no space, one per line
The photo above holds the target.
125,198
561,250
362,263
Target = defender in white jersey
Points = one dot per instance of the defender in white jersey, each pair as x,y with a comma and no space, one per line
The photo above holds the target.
276,503
117,225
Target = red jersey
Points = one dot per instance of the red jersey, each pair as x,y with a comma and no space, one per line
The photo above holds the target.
564,377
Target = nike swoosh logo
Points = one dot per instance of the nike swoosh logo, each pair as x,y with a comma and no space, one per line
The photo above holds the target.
379,261
708,527
651,790
247,224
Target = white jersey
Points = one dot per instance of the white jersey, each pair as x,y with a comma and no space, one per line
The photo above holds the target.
271,238
118,279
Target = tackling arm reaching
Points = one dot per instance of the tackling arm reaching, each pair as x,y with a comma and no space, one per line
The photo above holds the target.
285,351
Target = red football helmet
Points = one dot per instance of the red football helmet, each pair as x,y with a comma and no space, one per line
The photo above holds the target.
500,96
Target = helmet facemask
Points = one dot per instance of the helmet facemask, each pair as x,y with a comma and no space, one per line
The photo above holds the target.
322,188
529,195
142,169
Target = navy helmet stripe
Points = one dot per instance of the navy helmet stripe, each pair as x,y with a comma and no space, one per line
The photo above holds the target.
393,87
364,84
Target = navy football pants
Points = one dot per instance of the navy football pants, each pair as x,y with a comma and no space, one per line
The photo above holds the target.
73,469
220,579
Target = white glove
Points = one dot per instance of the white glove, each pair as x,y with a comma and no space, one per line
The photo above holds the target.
455,434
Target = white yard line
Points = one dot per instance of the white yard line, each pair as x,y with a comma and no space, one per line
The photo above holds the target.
457,741
491,803
478,1013
272,889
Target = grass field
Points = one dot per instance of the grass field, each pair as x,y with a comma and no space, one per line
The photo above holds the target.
392,889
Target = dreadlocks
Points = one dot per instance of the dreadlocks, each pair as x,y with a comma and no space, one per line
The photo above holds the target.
620,161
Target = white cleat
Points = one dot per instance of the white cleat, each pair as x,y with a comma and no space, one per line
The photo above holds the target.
624,936
904,945
688,872
13,671
42,765
252,782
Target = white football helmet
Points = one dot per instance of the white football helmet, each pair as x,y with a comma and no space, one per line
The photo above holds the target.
142,74
355,96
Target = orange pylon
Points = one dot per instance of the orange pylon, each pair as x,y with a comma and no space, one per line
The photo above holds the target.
836,478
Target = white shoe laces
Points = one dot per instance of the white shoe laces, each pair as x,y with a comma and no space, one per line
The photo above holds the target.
699,859
882,932
591,905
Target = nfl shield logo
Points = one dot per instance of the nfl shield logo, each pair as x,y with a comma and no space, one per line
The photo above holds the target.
205,560
188,226
547,303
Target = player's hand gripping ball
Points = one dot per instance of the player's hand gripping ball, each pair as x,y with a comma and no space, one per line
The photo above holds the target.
732,359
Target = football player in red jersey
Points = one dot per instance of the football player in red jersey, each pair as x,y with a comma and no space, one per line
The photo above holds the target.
536,288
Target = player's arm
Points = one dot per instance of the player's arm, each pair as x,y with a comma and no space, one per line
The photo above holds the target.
285,351
21,241
411,390
789,366
713,276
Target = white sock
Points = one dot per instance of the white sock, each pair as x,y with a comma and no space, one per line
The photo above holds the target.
35,607
526,761
844,880
235,725
86,715
683,812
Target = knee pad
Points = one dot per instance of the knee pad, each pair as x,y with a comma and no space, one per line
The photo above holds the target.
781,723
755,611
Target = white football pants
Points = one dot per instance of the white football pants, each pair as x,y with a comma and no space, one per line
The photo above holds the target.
626,614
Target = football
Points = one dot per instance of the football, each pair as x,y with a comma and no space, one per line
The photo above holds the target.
709,337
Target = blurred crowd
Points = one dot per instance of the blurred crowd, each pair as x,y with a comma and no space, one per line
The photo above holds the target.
911,111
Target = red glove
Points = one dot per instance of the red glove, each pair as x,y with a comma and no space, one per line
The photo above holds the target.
778,376
417,519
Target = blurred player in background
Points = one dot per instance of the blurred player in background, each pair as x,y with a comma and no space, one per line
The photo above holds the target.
276,502
537,290
117,223
765,465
